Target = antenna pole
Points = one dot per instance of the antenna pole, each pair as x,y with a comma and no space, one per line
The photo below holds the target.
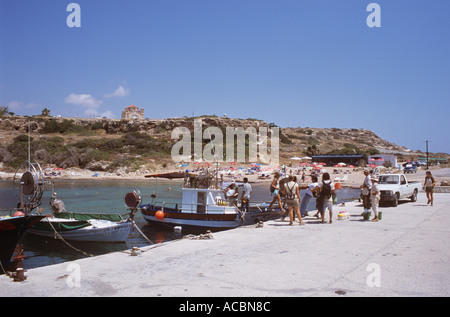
29,144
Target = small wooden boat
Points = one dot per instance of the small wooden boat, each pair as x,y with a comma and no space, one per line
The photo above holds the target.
73,226
97,227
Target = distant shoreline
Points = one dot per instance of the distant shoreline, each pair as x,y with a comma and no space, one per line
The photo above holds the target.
355,176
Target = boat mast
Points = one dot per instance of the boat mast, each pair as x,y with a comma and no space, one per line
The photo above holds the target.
29,143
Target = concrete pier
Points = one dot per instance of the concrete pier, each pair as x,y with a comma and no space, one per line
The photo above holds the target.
407,253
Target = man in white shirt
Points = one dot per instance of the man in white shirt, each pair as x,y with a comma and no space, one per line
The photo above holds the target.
245,197
375,198
308,195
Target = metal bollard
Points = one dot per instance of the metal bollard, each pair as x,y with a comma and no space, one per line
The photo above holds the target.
19,275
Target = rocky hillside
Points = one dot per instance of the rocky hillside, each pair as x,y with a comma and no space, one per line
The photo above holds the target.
114,126
333,139
108,144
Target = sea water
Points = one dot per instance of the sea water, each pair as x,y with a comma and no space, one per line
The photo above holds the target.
107,196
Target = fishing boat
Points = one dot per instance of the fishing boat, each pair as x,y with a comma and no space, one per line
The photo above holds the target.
76,226
11,230
20,219
203,205
84,227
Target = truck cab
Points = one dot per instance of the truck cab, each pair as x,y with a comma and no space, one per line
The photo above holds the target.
394,187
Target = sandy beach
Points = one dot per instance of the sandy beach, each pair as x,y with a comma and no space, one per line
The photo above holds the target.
354,176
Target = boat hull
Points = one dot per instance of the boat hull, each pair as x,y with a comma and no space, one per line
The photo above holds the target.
192,220
11,230
255,216
117,232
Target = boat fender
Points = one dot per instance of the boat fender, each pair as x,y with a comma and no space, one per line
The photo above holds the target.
159,215
19,214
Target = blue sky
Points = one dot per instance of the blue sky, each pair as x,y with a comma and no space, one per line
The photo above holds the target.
291,62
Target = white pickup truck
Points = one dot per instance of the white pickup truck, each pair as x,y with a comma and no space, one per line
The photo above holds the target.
394,187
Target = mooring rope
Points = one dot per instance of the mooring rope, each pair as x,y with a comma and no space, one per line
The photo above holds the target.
3,269
57,235
139,230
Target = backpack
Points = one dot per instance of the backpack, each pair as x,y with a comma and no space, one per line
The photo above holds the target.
272,189
290,195
325,193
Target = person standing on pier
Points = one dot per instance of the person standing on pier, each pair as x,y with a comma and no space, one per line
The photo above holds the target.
375,197
428,185
275,190
245,197
366,187
293,199
325,197
308,195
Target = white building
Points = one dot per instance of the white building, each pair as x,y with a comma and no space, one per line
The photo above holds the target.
133,112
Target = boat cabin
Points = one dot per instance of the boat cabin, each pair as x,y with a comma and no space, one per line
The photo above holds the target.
205,200
202,194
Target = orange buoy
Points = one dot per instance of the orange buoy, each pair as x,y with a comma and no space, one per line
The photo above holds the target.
159,215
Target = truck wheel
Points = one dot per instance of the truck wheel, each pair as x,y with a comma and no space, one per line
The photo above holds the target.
414,196
395,202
